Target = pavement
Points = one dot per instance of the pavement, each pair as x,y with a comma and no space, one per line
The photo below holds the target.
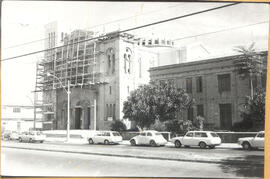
35,163
225,153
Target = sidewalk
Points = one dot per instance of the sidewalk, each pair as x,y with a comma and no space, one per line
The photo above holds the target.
155,153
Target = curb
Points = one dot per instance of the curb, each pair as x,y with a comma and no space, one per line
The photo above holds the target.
234,162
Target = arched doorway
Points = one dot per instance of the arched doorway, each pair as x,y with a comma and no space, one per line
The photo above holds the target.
82,115
78,115
86,114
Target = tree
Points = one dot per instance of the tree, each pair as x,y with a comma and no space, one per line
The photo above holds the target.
254,113
199,122
155,101
248,64
118,126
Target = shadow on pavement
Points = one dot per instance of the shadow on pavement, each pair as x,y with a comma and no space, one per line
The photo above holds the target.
251,167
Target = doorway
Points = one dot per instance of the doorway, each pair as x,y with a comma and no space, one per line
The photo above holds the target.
88,118
225,116
78,115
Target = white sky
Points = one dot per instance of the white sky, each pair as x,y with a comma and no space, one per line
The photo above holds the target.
24,22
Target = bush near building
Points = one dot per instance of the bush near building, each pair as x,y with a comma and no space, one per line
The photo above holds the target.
253,113
118,126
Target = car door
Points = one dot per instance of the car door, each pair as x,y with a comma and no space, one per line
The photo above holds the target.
188,138
148,138
25,136
141,138
98,137
259,140
197,138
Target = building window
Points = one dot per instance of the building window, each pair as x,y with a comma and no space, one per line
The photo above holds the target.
110,60
190,114
110,90
189,85
113,111
128,89
200,110
224,82
127,61
109,63
16,110
107,112
199,84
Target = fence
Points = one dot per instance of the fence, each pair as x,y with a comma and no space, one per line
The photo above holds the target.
232,137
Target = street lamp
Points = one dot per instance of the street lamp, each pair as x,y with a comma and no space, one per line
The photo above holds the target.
68,108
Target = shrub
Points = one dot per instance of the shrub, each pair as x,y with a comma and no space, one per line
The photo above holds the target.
118,126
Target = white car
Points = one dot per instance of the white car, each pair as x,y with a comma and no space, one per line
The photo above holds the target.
150,137
14,135
252,142
198,138
106,137
33,136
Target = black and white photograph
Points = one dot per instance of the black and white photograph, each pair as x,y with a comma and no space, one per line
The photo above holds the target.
133,89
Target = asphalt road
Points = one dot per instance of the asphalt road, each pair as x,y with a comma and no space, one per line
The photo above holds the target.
23,162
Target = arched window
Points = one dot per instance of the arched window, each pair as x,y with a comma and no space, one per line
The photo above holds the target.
110,61
127,61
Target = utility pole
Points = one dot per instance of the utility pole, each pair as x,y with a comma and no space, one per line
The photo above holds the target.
68,112
95,114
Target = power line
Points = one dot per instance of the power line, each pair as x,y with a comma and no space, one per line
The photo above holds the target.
222,30
122,31
98,25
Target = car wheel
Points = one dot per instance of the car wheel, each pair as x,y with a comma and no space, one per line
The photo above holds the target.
106,142
20,139
133,142
153,143
212,146
30,140
246,146
91,141
177,144
41,141
202,145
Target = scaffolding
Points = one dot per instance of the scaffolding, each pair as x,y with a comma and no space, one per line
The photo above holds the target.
73,61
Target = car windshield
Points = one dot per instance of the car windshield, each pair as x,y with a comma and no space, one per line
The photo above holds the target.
260,135
116,134
214,134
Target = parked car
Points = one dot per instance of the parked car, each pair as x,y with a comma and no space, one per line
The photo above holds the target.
6,135
252,142
33,136
149,137
106,137
197,138
14,135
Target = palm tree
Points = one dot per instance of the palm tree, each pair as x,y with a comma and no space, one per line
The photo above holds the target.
248,64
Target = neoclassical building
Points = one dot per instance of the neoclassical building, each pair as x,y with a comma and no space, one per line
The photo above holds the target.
219,91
